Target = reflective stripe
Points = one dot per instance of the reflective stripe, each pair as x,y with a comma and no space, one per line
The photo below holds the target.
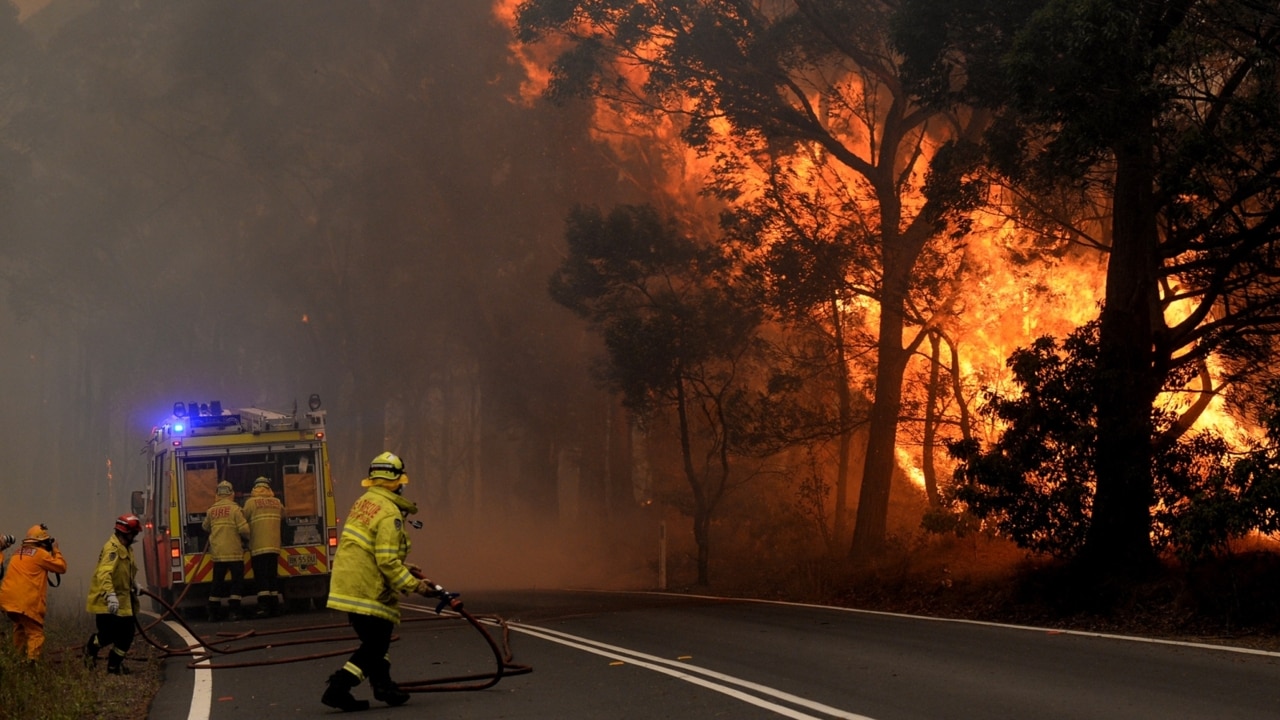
368,570
362,606
227,528
364,540
263,511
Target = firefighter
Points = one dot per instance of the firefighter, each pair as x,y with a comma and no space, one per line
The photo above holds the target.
228,531
369,573
26,585
112,595
263,510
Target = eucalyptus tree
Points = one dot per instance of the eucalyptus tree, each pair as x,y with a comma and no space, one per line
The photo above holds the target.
781,80
1170,110
679,330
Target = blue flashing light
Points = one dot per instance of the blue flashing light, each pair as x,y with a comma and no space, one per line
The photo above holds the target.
178,427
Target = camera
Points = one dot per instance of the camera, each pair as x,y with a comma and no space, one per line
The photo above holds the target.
7,540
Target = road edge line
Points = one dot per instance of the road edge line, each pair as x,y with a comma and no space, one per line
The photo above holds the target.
202,684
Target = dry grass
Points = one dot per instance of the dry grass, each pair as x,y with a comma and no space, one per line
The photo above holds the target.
61,687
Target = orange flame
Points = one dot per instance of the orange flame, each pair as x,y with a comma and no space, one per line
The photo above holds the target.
1004,305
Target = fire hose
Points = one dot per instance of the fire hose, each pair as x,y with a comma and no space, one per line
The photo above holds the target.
204,650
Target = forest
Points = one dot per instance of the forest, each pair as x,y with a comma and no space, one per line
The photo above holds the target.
803,286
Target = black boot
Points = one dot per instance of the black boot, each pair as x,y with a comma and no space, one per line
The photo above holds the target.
338,694
234,614
91,649
388,692
215,611
384,688
115,663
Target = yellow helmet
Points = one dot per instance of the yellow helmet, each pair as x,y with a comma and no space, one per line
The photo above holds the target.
386,469
37,533
224,488
262,482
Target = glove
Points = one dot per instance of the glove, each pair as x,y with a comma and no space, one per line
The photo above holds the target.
424,589
113,603
415,571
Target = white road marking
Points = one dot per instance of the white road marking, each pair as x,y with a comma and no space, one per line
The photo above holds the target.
202,687
962,621
719,682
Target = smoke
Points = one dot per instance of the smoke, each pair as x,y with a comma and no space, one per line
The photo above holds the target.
255,202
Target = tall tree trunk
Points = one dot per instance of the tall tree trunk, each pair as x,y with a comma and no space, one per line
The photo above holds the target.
900,248
1119,537
845,398
701,503
702,536
957,390
877,476
931,422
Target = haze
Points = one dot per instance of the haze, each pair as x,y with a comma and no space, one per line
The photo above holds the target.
253,202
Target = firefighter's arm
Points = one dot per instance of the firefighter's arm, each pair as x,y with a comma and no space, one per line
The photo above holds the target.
242,525
386,548
104,573
103,576
55,563
425,586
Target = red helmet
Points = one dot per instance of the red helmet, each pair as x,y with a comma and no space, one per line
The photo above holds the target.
128,525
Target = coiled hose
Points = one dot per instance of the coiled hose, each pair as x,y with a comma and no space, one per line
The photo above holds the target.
204,650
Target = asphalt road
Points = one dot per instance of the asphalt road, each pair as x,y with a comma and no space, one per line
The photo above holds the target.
638,656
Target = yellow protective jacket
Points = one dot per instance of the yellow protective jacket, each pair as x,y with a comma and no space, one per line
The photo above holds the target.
227,530
369,571
25,585
263,511
114,574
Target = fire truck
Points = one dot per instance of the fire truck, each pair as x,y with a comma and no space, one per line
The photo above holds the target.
203,444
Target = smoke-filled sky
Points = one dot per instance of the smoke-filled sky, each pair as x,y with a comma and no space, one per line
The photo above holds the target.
252,202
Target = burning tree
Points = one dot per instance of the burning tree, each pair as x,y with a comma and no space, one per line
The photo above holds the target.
783,81
1170,112
801,241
